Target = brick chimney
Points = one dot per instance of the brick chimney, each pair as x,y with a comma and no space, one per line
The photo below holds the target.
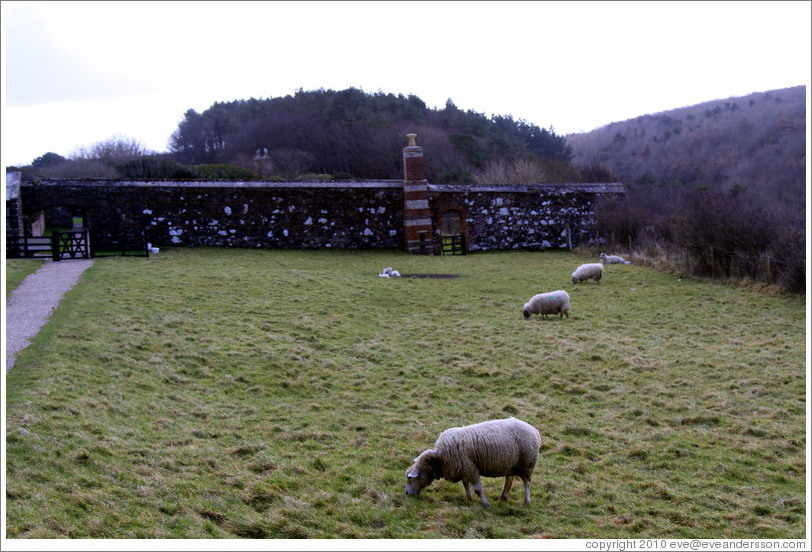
416,214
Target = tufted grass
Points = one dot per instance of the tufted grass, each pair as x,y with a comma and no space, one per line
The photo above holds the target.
214,393
18,269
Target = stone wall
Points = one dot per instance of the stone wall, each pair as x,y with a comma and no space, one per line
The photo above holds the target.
345,215
245,214
508,217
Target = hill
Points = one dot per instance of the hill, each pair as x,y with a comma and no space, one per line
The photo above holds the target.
752,146
357,133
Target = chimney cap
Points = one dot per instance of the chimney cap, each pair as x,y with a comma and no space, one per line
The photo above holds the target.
411,137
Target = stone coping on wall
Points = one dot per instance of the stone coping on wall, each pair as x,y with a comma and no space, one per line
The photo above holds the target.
349,184
598,187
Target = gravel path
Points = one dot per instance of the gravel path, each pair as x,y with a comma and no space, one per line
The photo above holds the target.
30,304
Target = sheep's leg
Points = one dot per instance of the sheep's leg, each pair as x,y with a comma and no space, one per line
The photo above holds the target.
526,492
478,490
506,488
467,490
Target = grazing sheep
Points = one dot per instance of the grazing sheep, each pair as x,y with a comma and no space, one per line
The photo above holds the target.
496,448
587,271
553,302
613,259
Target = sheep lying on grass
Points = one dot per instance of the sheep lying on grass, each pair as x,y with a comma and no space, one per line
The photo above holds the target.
613,259
389,273
587,271
553,302
497,448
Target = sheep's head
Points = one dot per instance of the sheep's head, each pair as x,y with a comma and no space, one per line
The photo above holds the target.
526,313
422,473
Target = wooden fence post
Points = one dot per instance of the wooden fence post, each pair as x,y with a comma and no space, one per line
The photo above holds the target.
55,245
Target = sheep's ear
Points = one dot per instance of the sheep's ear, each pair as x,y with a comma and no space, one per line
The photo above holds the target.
413,473
430,461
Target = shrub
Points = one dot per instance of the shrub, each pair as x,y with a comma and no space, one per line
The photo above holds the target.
152,169
220,172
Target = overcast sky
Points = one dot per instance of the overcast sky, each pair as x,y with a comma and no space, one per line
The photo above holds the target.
77,73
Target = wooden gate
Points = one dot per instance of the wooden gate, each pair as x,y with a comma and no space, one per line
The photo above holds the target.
60,245
455,245
73,244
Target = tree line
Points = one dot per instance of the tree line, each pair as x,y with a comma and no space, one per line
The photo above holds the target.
332,134
360,134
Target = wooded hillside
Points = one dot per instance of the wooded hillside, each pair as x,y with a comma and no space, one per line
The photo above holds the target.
356,133
753,146
725,181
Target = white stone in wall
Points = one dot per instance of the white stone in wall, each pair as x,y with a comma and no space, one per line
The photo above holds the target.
309,221
504,211
368,232
393,233
227,210
147,211
381,210
285,232
322,220
213,222
244,208
223,233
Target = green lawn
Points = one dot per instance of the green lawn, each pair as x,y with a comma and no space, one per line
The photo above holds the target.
17,269
213,393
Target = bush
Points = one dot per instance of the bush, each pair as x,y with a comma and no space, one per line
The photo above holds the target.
220,172
152,169
787,255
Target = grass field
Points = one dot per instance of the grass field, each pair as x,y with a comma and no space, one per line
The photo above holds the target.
207,393
17,269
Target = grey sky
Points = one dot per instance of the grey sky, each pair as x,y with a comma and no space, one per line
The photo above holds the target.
76,73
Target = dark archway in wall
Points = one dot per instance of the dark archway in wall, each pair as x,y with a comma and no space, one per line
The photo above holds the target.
55,217
452,226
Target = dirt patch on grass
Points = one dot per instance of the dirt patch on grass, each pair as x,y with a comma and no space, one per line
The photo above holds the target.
437,276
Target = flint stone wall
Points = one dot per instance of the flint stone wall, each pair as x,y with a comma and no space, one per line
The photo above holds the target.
300,215
535,217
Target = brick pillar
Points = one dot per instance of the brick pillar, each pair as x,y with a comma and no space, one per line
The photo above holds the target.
416,214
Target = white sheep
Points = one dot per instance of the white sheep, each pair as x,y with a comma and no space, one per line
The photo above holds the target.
613,259
587,271
496,448
553,302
